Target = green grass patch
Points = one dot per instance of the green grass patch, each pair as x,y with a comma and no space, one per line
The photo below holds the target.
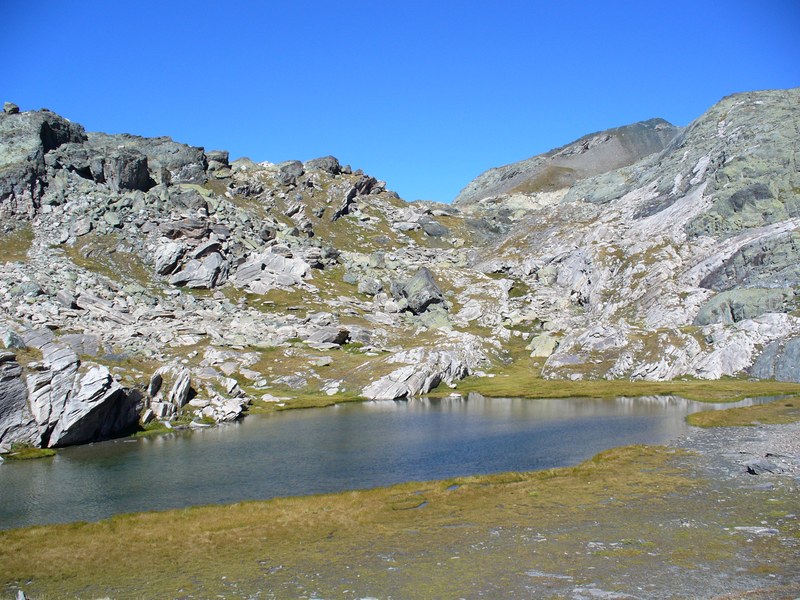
16,244
100,254
778,412
28,452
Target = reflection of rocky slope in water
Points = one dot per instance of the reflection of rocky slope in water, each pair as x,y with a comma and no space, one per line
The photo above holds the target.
206,284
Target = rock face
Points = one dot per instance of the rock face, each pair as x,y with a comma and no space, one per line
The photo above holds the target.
99,409
16,421
780,360
27,138
141,276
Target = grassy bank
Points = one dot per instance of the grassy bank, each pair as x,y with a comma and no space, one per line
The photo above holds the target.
777,412
520,381
28,452
623,511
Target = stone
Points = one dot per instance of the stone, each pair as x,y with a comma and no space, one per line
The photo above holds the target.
370,286
270,269
26,139
289,171
207,273
65,299
190,227
163,410
181,391
126,169
51,383
102,309
542,346
328,164
81,343
167,161
81,227
11,340
780,360
421,291
112,218
759,466
427,369
218,162
17,423
147,416
329,335
99,410
736,305
434,228
155,384
10,108
167,255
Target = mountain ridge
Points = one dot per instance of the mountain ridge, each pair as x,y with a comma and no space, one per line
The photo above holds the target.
589,155
147,281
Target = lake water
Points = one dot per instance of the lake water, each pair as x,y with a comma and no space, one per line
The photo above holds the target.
344,447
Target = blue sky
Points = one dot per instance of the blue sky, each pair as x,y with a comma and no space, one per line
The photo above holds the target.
425,95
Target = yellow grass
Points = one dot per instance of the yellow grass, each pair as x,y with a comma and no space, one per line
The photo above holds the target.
777,412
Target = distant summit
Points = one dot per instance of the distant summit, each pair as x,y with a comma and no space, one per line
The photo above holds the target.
562,167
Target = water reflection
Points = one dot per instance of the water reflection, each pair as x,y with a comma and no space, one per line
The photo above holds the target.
343,447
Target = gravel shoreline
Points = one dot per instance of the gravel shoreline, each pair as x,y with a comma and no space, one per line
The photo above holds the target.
749,452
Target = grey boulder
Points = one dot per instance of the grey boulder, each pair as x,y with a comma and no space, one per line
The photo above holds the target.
99,410
202,274
16,421
740,304
421,292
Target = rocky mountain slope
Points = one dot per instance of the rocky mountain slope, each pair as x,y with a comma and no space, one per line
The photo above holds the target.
143,279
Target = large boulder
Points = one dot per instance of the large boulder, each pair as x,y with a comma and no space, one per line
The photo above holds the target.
328,164
740,304
427,369
16,421
99,410
50,382
421,291
203,273
167,255
126,169
167,161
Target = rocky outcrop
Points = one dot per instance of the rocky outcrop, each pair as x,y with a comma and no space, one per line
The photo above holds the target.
740,304
27,138
98,410
203,273
779,360
426,369
16,421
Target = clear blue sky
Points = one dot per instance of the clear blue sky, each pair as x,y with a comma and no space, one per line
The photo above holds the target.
425,95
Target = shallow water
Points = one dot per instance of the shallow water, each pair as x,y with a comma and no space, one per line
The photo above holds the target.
332,449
